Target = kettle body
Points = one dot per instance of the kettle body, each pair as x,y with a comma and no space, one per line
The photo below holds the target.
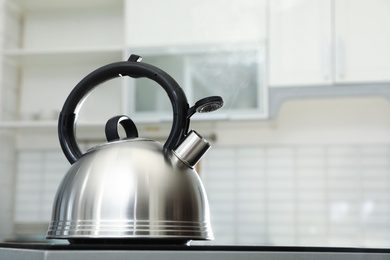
127,190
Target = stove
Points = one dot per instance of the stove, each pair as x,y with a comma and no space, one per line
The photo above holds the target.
36,251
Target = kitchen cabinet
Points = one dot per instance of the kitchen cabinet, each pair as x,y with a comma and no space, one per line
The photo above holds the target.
300,42
209,47
170,23
362,40
54,45
234,72
327,42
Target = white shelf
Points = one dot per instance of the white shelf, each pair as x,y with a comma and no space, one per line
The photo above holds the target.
48,51
44,124
27,124
45,5
99,55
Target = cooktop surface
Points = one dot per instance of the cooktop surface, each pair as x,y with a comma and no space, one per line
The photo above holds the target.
167,247
40,251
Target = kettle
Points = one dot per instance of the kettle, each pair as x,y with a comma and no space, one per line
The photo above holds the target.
132,190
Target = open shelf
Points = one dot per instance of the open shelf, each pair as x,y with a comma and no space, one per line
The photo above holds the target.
44,5
33,57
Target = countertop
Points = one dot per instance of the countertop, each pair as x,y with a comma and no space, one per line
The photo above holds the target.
36,251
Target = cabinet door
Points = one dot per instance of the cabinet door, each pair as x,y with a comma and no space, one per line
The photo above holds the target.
362,40
175,22
236,74
300,42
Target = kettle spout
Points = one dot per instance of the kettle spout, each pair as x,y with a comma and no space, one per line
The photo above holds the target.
192,149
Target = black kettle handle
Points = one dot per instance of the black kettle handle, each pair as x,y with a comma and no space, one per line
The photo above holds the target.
132,68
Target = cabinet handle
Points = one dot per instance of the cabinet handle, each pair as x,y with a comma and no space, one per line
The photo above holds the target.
340,58
326,58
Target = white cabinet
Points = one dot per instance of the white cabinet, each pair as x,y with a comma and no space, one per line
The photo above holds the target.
329,42
300,42
209,47
362,41
174,22
236,72
52,45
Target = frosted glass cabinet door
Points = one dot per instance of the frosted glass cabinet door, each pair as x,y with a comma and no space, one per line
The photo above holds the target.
362,40
300,42
236,74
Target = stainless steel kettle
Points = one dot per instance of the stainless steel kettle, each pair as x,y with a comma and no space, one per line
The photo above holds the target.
132,189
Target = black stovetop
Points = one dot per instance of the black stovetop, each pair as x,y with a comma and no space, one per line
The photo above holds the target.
149,247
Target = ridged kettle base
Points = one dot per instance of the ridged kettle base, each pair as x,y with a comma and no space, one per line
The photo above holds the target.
172,230
129,241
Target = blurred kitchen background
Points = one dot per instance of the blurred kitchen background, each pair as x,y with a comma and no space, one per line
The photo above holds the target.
301,150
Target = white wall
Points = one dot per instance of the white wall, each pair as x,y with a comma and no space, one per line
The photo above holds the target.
315,121
317,175
7,101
